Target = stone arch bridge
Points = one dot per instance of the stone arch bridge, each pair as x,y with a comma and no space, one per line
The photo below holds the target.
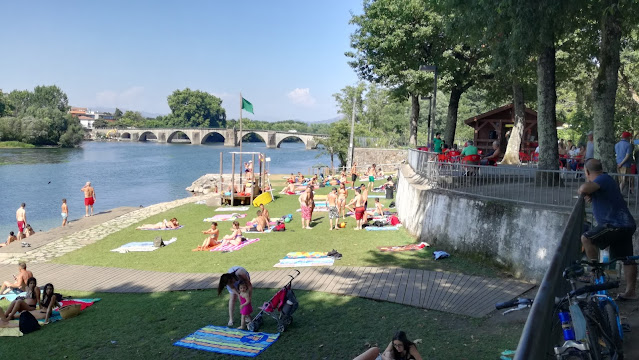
273,139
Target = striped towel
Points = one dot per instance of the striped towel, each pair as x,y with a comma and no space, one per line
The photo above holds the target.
229,341
235,247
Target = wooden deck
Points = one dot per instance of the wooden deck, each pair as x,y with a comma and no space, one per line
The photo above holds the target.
437,290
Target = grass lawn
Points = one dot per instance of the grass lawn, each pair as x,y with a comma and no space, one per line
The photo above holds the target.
358,247
15,144
144,326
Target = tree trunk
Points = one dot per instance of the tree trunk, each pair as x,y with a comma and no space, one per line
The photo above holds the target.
546,104
511,157
605,88
414,117
451,119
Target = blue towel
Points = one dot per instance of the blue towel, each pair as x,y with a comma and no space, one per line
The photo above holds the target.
381,228
440,255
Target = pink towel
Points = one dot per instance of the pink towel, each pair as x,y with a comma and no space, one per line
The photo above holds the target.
235,247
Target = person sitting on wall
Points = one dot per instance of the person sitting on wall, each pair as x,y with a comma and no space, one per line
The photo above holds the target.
492,156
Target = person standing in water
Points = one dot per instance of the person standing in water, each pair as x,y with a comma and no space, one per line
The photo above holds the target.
89,197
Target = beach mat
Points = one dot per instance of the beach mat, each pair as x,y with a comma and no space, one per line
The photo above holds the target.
225,217
270,228
11,331
304,262
305,254
12,295
84,303
179,227
141,246
228,341
232,208
381,228
235,247
409,247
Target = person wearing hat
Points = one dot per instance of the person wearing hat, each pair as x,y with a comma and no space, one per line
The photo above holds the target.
623,149
89,197
590,147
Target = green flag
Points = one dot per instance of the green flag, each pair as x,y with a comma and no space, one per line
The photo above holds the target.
246,105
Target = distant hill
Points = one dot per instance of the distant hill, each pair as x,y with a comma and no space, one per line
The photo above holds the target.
329,121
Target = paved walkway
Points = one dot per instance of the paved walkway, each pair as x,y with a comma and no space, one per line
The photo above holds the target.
437,290
451,292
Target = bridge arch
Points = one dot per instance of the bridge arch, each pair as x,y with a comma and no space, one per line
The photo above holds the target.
259,135
148,135
215,136
287,136
177,135
125,135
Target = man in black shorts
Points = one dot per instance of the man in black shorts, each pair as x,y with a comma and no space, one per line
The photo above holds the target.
615,224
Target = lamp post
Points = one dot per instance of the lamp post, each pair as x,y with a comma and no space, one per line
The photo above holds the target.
351,143
433,105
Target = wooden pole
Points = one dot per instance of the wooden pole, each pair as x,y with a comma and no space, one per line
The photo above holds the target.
232,178
254,185
221,174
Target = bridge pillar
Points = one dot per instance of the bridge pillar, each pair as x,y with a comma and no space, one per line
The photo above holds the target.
271,141
195,136
311,143
162,135
135,136
230,139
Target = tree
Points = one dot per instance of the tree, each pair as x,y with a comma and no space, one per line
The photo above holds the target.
196,109
132,119
392,40
117,114
345,99
73,136
100,123
49,97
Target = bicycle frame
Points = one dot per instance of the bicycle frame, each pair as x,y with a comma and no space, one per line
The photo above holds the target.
603,298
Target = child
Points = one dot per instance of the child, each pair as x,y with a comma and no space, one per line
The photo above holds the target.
245,305
65,212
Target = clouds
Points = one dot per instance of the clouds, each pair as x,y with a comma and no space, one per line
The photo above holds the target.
130,98
301,97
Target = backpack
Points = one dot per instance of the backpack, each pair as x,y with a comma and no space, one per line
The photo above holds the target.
391,205
157,242
28,323
393,220
279,227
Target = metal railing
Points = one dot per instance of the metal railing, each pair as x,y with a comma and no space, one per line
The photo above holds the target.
536,341
518,184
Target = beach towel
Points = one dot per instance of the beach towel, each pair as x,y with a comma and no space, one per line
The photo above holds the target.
11,331
302,262
235,247
383,228
200,202
84,303
229,341
270,228
317,209
409,247
179,227
12,295
141,246
305,254
232,208
225,217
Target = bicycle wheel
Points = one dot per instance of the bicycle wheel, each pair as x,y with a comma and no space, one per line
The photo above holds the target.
593,330
610,314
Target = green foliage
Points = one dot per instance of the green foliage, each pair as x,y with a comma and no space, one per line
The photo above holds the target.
100,123
15,144
195,109
117,113
40,118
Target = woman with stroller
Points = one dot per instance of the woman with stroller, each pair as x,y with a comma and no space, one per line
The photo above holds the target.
231,280
400,348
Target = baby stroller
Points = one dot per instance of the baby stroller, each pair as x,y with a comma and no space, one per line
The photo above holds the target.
281,308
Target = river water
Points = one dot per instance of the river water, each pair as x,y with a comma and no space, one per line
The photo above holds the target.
122,173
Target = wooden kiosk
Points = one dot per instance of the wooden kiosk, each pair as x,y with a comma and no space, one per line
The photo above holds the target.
242,190
494,125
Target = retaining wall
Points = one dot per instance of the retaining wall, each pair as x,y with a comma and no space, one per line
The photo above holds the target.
524,238
367,156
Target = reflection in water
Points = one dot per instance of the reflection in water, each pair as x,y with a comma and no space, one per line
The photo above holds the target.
36,156
123,173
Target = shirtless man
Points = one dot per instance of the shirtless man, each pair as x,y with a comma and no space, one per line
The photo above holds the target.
21,218
257,224
333,212
359,208
354,173
364,195
289,189
65,212
89,197
372,172
20,282
265,213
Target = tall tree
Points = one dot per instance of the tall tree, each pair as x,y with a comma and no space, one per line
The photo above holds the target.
49,97
117,114
195,108
392,40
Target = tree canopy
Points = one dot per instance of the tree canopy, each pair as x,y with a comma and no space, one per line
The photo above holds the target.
195,108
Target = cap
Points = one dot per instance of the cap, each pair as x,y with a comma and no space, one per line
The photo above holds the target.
589,133
626,134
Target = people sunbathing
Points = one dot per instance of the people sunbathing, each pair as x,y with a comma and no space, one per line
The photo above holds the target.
258,224
20,281
10,239
162,225
28,303
235,238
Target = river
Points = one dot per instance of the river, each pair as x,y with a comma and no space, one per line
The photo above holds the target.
123,174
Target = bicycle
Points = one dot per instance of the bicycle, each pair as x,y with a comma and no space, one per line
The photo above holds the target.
585,314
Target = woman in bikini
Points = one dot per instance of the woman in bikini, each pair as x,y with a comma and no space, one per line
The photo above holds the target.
49,302
342,194
29,302
236,236
171,224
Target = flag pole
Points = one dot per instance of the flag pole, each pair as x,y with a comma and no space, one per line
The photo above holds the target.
241,163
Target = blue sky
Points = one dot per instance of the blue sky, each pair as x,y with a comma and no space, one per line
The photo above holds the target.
286,57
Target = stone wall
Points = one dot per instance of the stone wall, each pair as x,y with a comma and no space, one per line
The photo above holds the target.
390,159
208,184
521,237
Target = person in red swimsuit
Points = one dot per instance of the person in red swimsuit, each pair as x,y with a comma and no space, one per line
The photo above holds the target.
89,197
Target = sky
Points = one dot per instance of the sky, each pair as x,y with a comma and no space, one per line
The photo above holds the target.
285,57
